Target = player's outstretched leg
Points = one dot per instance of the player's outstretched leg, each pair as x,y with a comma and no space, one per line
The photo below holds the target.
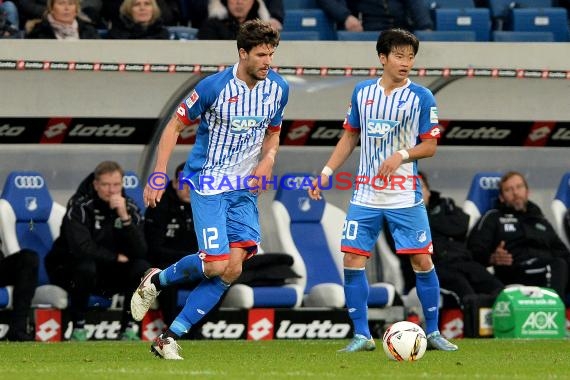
166,348
438,342
144,295
359,343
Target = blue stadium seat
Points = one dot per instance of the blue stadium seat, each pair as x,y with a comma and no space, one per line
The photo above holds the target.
182,32
501,10
483,194
510,36
134,189
560,205
299,36
310,231
446,35
29,218
299,4
451,4
309,20
474,19
554,20
344,35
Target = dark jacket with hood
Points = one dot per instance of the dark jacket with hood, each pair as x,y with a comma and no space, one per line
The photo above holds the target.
43,30
527,234
92,230
169,230
223,26
126,29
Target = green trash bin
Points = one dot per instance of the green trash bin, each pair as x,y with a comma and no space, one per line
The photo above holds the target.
529,312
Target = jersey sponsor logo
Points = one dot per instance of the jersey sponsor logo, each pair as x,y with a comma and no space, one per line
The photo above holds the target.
380,127
266,98
233,99
435,132
192,99
242,124
28,182
402,104
433,115
369,102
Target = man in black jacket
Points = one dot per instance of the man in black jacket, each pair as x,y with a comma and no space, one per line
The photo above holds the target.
101,248
170,235
518,241
458,272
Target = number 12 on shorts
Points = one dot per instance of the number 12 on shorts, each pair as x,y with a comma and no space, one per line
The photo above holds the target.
209,236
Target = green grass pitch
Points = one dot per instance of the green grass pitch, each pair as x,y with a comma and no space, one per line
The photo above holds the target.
282,359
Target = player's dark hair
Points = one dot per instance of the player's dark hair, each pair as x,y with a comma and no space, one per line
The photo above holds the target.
391,38
106,167
256,32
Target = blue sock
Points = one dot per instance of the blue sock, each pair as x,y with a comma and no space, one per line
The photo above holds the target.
199,303
188,269
427,286
356,294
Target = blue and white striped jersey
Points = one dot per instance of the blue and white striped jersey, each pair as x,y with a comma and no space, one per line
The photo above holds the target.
388,124
233,124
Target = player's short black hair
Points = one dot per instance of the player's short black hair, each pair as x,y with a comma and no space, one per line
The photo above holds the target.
389,39
256,32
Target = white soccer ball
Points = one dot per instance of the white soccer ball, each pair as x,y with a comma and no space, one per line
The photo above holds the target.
404,341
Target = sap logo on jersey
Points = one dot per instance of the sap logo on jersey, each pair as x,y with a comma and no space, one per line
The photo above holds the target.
241,124
379,127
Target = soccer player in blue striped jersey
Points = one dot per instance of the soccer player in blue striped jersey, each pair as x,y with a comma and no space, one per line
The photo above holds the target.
240,110
396,122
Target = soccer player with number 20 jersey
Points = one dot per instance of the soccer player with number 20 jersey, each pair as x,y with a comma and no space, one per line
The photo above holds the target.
396,122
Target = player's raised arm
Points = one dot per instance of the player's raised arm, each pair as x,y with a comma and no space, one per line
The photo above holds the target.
166,145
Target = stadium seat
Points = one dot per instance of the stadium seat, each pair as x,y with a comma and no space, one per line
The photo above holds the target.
310,231
182,32
134,189
29,218
299,4
483,194
470,19
344,35
309,20
299,36
501,10
554,20
560,205
446,35
510,36
451,4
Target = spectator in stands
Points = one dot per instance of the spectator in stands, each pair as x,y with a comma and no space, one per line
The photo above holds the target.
198,10
139,20
456,268
10,13
20,270
8,19
379,14
226,16
101,248
517,240
170,235
170,12
61,22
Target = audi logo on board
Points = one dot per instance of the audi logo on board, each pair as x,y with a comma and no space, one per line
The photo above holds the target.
29,182
130,182
489,183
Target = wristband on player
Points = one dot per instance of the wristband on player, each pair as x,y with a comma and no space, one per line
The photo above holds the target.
404,153
327,171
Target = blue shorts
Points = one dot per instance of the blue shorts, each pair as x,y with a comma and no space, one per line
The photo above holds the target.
409,227
225,220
